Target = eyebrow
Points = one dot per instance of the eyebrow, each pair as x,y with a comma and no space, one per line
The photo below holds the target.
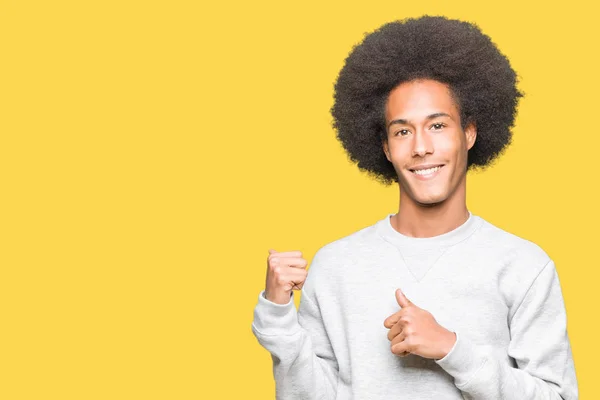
431,116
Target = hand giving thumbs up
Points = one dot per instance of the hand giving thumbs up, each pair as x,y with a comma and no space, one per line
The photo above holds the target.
415,330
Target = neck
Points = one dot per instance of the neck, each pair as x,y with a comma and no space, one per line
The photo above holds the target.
422,221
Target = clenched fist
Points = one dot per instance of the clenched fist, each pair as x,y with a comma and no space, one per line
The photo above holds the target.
286,271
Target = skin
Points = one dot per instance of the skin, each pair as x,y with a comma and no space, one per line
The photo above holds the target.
414,330
427,208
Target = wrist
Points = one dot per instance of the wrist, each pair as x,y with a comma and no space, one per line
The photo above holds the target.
448,344
279,297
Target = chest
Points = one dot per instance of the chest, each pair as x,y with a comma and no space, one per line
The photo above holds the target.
460,290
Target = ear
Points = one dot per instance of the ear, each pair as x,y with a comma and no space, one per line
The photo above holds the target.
471,134
386,150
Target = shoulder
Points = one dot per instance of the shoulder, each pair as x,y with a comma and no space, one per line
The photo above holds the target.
348,245
334,254
511,246
336,257
519,260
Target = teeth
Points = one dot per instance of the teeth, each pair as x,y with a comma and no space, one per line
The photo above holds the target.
426,171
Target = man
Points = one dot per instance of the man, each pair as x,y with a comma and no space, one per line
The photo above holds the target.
432,302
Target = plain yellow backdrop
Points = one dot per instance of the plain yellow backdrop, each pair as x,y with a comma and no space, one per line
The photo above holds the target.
153,151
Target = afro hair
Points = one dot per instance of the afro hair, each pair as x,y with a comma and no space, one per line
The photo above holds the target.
450,51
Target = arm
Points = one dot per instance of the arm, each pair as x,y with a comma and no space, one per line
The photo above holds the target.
304,365
539,344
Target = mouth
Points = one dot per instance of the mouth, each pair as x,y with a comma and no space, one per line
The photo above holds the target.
428,173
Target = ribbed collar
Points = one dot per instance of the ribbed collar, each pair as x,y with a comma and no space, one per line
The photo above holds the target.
388,233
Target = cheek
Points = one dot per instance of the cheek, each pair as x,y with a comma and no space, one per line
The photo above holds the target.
450,149
447,144
399,154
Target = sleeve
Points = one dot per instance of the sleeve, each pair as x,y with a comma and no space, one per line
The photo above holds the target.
304,365
539,345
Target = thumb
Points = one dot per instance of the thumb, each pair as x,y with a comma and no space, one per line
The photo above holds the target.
271,251
401,299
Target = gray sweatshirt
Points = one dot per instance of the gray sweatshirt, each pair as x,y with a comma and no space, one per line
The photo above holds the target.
498,292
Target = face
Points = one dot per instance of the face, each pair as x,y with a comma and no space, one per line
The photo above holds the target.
423,129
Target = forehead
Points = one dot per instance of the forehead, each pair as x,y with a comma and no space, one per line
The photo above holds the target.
418,98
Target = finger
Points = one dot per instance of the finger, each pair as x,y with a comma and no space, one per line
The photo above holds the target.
295,253
296,279
296,262
401,336
394,331
400,349
390,321
297,285
402,300
393,319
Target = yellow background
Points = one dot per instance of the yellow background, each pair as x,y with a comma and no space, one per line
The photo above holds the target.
152,152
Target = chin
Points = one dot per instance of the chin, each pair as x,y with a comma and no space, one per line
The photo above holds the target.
429,201
423,196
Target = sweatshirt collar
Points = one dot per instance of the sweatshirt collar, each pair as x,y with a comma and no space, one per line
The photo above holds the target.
388,233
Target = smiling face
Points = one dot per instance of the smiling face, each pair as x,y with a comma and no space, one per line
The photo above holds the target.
424,129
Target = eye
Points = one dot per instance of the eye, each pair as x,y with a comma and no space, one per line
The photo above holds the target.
437,126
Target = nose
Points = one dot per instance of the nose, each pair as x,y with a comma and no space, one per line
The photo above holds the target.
422,143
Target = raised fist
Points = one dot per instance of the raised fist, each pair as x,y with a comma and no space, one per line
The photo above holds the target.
286,271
